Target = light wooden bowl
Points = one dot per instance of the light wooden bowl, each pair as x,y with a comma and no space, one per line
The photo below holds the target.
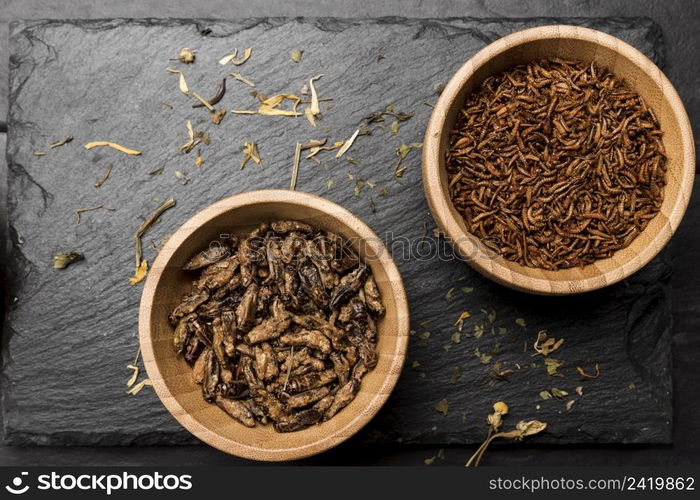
172,377
640,74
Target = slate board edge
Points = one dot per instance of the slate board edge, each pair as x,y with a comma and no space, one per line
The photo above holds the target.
21,28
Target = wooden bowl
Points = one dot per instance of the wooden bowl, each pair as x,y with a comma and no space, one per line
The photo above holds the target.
172,377
641,75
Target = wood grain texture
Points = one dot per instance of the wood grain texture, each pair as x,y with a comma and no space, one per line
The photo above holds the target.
171,376
639,73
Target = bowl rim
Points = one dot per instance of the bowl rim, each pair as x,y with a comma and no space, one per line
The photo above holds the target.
261,197
467,244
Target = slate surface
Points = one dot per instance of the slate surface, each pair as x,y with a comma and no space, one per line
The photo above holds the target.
70,333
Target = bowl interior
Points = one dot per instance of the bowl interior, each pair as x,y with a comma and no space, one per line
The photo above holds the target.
172,376
642,76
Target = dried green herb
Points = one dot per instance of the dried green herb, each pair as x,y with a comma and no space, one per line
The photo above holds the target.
359,184
545,346
402,152
552,366
483,357
296,55
558,393
65,259
457,372
442,406
379,116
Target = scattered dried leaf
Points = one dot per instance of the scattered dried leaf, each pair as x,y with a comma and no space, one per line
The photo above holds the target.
442,406
296,55
64,259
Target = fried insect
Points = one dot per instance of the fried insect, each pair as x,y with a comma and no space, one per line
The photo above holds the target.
236,409
281,327
342,398
207,257
305,398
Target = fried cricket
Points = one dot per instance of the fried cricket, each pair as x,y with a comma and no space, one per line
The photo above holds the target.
280,326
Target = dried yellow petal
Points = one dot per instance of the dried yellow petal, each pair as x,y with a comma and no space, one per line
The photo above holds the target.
347,144
112,145
501,408
183,84
546,346
315,107
137,388
250,152
134,376
198,161
140,273
246,55
227,59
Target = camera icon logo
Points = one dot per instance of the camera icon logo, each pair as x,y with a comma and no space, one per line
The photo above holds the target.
16,488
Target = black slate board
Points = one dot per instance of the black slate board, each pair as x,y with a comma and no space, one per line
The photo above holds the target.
70,334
